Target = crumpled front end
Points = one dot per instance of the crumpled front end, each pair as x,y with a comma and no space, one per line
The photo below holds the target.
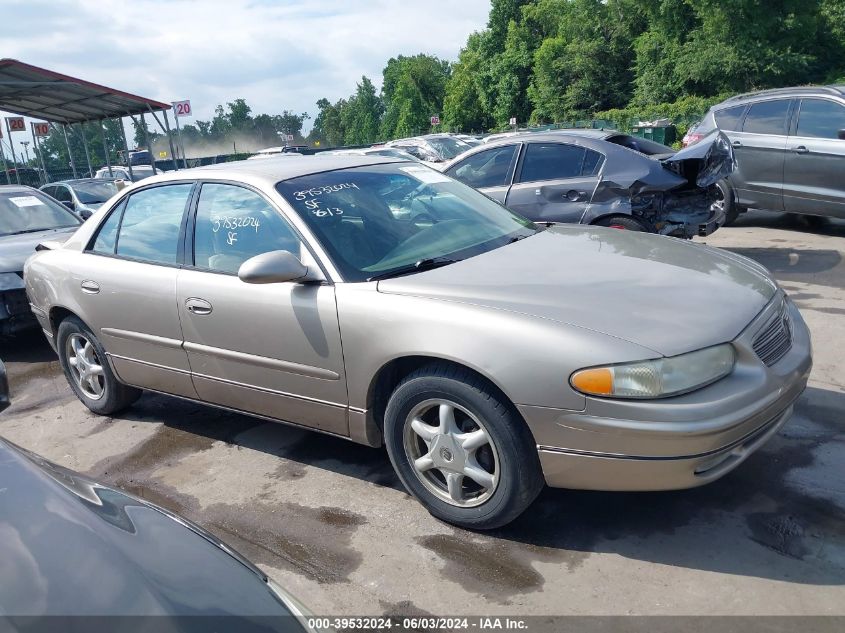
15,315
674,196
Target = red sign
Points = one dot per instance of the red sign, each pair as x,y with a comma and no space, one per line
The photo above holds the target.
41,129
16,124
435,120
182,108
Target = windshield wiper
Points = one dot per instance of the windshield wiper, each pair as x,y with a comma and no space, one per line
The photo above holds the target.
417,267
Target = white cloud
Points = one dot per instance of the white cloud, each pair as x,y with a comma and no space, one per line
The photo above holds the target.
277,54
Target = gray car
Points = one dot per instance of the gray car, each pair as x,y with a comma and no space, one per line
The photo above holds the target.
83,196
381,301
27,218
790,150
602,177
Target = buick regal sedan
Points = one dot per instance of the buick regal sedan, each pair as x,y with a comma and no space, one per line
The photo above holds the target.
381,301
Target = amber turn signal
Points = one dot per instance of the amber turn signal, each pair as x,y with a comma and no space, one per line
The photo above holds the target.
598,381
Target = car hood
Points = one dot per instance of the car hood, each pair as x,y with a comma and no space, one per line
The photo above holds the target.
16,249
666,294
70,546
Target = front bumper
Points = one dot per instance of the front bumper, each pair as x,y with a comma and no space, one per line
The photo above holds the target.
679,442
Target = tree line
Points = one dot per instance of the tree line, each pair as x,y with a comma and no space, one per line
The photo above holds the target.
545,61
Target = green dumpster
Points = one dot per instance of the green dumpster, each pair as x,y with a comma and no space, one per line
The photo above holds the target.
665,134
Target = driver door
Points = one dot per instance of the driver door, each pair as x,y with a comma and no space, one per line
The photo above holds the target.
272,349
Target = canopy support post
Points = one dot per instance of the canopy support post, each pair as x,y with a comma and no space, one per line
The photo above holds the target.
40,153
70,153
169,137
3,160
14,158
149,144
126,149
105,148
87,153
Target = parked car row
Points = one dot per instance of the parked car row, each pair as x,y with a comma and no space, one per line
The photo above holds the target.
641,362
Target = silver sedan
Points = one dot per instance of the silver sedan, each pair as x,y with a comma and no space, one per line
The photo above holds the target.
381,301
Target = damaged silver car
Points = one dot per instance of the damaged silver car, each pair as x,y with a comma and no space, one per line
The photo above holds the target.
579,177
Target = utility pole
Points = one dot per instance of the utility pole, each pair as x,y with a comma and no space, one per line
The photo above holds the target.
26,150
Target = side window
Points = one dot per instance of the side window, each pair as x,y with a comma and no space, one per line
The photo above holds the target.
234,224
107,235
489,168
151,222
551,161
63,194
730,118
767,117
593,162
820,118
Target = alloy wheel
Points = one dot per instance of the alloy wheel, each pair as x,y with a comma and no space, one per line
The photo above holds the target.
85,366
451,453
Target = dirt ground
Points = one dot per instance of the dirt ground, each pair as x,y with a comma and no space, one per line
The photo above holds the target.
328,520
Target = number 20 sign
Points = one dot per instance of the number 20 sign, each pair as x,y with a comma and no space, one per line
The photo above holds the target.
16,124
182,108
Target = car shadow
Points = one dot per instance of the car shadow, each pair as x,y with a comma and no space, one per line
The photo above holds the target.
27,347
753,522
792,222
793,263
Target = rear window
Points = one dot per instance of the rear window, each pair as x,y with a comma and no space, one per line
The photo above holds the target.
730,118
767,117
820,118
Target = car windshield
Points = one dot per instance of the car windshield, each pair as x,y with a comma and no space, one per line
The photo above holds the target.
28,212
447,146
381,220
94,192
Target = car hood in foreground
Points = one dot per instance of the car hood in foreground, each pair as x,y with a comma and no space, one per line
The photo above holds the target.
663,293
69,546
16,249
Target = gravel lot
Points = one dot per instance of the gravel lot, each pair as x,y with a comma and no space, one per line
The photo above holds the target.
328,519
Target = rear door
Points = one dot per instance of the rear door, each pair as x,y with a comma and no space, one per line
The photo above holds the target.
125,285
813,180
490,170
760,149
555,181
269,349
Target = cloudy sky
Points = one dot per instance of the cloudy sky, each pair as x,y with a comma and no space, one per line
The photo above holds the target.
277,54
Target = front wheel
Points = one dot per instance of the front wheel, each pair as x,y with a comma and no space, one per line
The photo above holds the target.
87,370
461,449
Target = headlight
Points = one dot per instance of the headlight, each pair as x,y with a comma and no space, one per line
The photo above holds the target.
657,378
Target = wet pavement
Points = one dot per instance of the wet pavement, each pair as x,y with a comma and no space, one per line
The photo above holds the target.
329,520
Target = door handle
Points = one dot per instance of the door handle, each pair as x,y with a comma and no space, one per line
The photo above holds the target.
90,287
737,143
575,196
800,150
198,306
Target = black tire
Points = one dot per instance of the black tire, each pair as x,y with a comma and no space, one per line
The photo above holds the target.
625,222
726,198
115,395
511,453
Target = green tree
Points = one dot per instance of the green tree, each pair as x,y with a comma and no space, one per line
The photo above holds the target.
412,91
464,105
328,127
361,117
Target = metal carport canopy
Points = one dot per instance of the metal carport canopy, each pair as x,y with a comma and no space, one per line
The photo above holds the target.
43,94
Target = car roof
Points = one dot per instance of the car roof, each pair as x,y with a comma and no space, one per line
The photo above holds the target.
271,170
16,189
797,91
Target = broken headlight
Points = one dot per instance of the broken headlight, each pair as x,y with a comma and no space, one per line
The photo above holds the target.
657,378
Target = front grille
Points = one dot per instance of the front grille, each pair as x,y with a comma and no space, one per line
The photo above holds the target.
775,339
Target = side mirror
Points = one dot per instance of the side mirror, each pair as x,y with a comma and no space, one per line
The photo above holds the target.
273,268
86,213
841,135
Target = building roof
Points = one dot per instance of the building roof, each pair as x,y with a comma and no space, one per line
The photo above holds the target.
51,96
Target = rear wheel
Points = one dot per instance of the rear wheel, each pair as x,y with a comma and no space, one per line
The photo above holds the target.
624,222
84,362
461,449
725,202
